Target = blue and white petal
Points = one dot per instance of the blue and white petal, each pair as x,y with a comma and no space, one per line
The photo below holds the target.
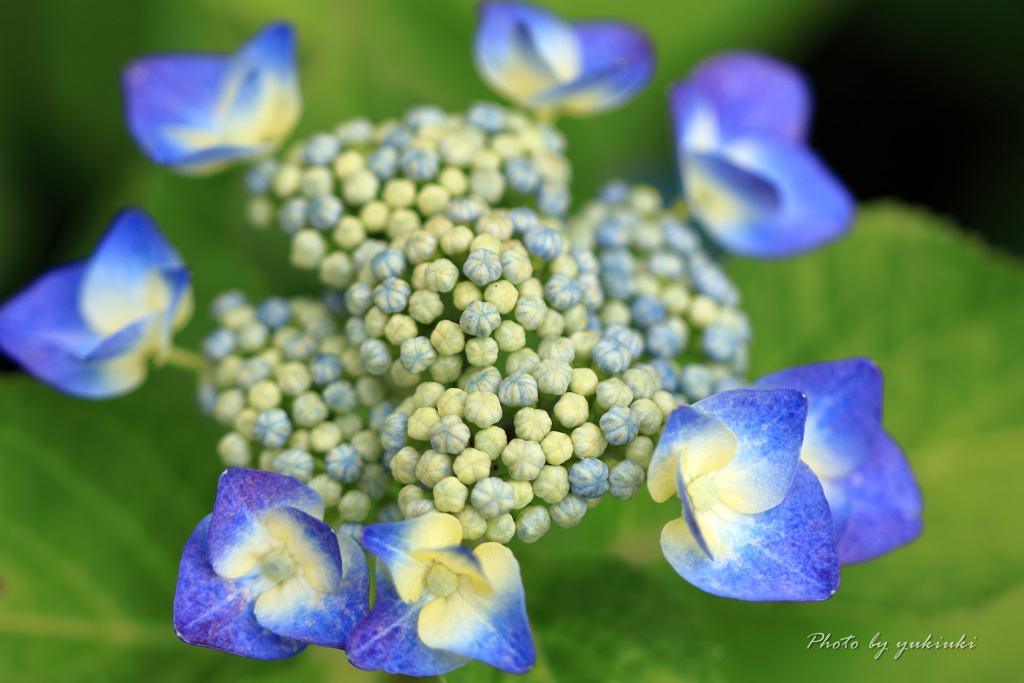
785,553
324,601
740,122
134,272
491,626
521,49
769,427
199,112
218,613
754,93
884,504
42,329
239,537
266,103
388,637
697,442
535,58
766,197
844,411
395,543
618,62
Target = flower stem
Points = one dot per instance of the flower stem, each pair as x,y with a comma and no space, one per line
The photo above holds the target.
183,358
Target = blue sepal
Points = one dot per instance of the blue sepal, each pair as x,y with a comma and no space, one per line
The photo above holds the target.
787,553
884,504
244,496
218,613
388,637
199,112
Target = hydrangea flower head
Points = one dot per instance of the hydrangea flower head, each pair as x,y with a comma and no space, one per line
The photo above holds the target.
198,112
477,364
538,60
755,523
262,576
439,604
875,499
748,176
90,327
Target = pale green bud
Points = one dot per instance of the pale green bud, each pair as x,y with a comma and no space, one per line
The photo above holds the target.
446,369
473,523
450,495
234,451
640,450
481,351
293,378
350,233
399,328
648,415
433,198
324,437
557,447
588,441
420,423
229,404
613,392
491,441
552,484
408,494
433,467
264,395
523,458
464,293
666,402
523,493
456,241
367,442
501,529
452,402
354,506
532,424
572,410
328,489
244,422
471,465
482,409
510,336
503,295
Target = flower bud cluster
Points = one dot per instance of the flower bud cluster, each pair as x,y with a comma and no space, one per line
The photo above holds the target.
298,400
403,189
466,357
668,300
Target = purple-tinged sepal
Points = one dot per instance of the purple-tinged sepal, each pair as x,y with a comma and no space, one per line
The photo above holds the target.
538,60
388,639
218,614
875,499
751,94
755,524
263,575
747,175
885,504
199,112
89,328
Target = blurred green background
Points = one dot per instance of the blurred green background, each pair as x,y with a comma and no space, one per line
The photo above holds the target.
918,99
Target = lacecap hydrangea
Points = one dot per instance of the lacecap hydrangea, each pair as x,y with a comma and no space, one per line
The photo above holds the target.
482,358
